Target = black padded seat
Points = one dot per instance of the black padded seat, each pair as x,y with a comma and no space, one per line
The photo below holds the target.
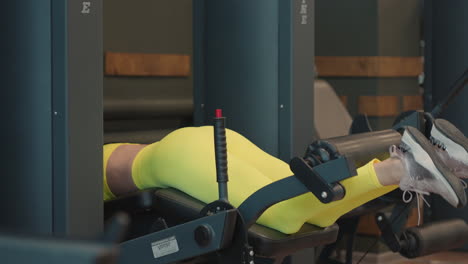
177,207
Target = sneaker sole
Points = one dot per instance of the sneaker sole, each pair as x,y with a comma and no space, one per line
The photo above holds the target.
452,138
430,160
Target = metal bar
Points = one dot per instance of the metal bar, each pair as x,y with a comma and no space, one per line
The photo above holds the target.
21,250
83,140
284,189
455,89
428,56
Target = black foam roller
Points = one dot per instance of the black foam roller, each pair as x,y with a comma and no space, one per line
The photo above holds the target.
360,148
435,237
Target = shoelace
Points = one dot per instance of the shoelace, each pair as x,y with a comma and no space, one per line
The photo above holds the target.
438,143
465,185
419,194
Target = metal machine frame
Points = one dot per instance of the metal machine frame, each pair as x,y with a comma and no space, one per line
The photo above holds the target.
255,60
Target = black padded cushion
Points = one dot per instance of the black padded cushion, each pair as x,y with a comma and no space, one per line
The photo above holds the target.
177,207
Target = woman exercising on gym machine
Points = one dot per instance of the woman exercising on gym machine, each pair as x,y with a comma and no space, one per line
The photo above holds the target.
184,160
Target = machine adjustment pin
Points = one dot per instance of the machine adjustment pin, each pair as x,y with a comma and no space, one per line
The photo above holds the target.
251,262
281,106
251,253
324,195
203,235
379,218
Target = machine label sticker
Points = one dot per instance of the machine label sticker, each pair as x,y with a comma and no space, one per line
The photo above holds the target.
303,12
165,247
86,8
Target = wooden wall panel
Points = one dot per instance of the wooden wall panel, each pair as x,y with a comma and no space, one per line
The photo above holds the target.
344,100
412,102
146,64
372,66
381,106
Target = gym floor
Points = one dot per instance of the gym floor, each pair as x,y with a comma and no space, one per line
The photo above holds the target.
439,258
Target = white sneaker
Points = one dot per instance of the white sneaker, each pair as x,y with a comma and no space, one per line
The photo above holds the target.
453,146
426,172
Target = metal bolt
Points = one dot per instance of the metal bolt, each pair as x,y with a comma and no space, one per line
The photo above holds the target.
379,218
281,106
251,262
251,253
218,209
324,195
55,113
203,235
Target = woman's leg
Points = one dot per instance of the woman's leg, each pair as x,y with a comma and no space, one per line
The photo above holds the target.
269,165
373,180
368,185
185,160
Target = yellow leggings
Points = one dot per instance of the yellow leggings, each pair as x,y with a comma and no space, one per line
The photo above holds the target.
184,160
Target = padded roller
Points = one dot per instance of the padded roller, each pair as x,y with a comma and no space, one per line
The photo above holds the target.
360,148
436,237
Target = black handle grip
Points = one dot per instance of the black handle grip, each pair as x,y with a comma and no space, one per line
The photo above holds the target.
221,155
220,149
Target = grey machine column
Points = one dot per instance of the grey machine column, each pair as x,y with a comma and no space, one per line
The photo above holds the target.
51,111
255,60
446,58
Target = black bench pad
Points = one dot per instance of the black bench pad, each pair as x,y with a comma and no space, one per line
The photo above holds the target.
177,207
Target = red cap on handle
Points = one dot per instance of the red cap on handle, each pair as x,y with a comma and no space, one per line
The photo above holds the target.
219,113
